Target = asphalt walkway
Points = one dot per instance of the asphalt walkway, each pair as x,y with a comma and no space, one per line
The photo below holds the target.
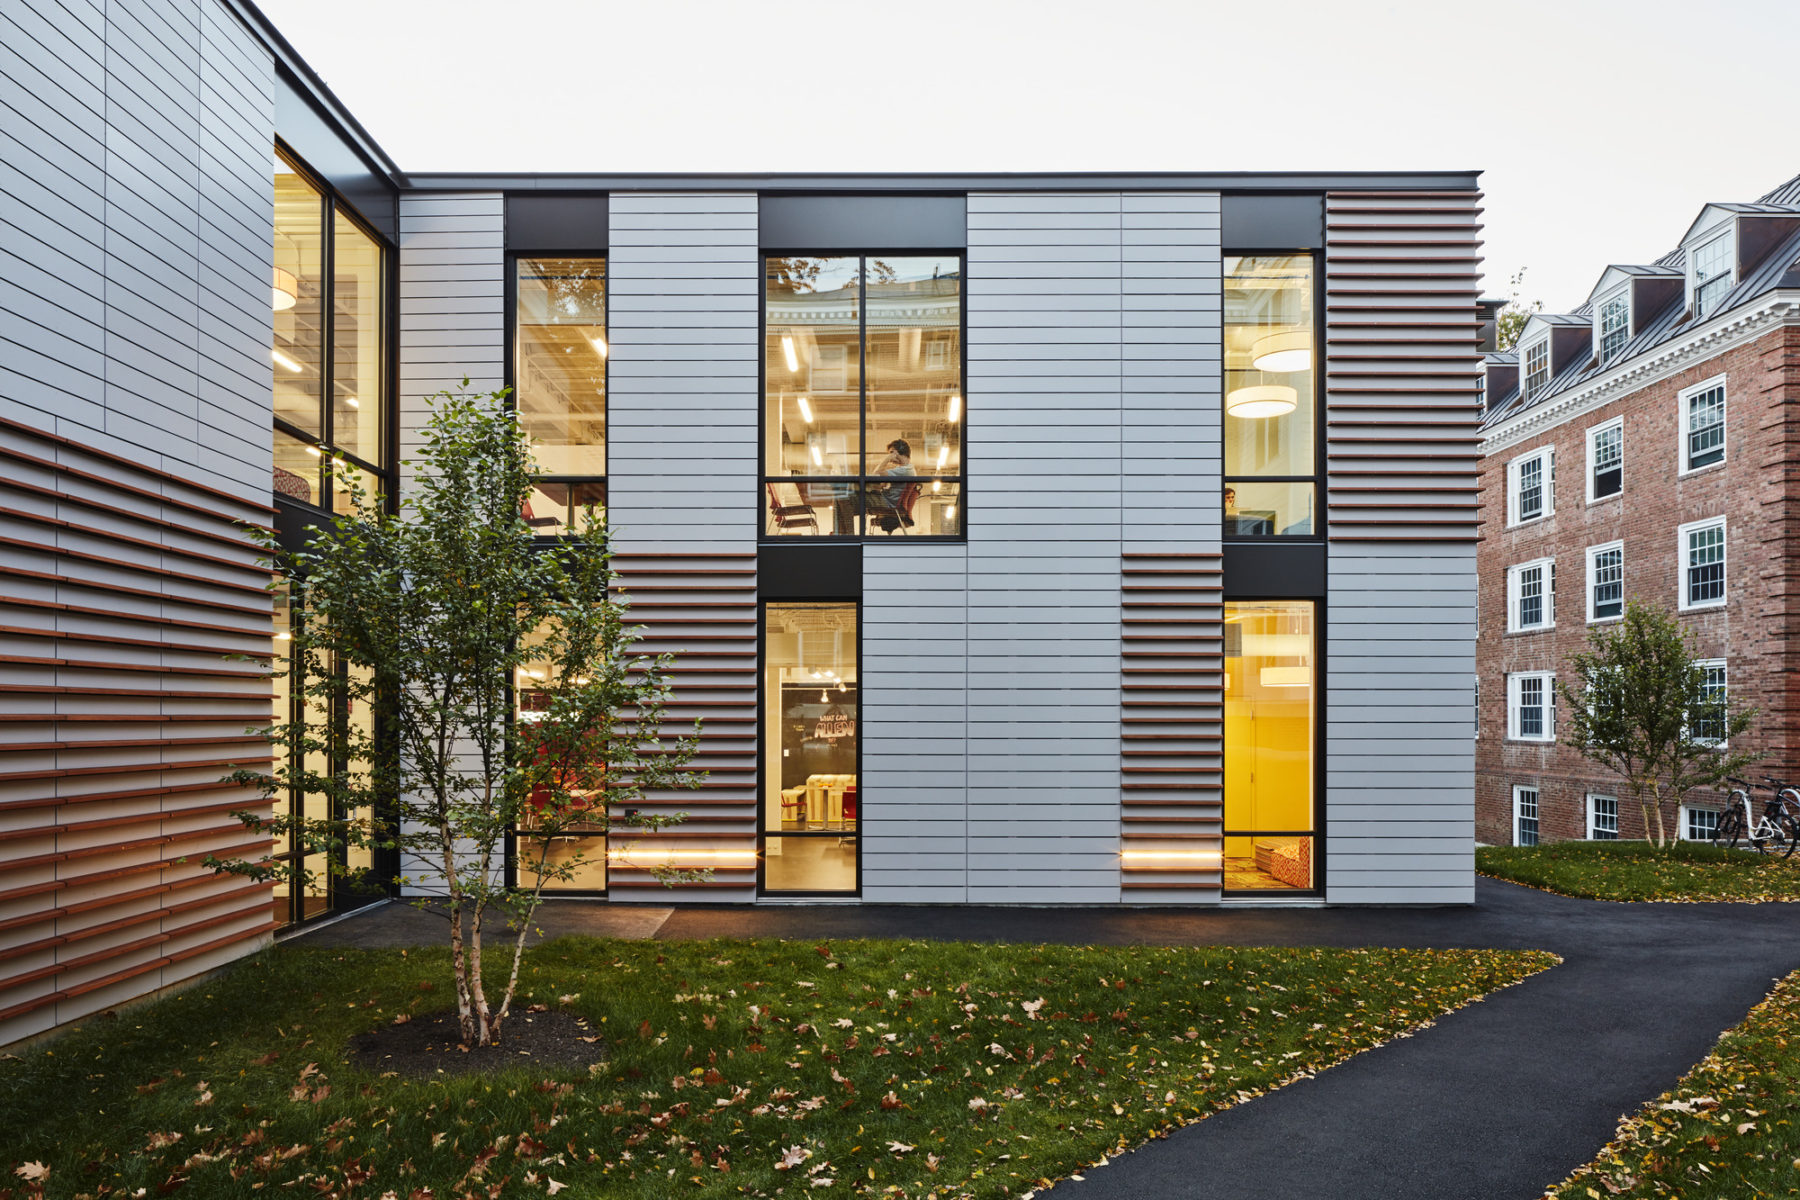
1495,1102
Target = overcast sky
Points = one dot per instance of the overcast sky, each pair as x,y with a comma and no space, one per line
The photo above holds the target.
1602,126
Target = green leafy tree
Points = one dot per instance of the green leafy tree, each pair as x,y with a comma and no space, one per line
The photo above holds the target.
428,620
1640,707
1510,322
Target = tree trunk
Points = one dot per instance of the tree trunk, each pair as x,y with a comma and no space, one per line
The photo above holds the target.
490,1029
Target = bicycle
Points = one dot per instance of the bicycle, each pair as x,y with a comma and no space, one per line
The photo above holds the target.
1777,828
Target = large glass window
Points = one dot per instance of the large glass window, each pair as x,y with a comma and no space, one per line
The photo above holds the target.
329,355
1271,691
862,397
325,890
811,705
1271,364
560,354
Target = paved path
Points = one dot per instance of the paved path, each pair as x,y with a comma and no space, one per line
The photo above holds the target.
1495,1102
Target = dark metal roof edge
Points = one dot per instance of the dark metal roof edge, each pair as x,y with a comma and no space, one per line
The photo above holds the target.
322,97
1220,181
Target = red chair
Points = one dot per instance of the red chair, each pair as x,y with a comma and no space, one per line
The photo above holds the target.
850,806
896,513
793,513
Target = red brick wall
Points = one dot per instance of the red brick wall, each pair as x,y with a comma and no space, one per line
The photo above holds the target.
1757,490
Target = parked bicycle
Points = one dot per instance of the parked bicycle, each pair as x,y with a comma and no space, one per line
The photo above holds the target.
1776,830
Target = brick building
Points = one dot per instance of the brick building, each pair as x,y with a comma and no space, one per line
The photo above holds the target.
1646,445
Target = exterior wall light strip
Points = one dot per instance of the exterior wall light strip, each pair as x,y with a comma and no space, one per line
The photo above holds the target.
1193,856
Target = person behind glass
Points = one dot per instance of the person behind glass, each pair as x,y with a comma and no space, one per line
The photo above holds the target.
887,495
1231,510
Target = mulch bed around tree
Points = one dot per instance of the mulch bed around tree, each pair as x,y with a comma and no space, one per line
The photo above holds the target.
431,1045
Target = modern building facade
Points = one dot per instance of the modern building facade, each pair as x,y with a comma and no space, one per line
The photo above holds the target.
1036,539
1638,447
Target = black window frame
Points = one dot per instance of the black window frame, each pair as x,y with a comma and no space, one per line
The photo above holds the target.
509,368
331,206
1316,479
859,482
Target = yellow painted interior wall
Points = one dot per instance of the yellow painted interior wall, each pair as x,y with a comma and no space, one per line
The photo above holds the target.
1268,730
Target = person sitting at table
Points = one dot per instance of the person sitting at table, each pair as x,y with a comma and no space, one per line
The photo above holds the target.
887,495
1231,502
898,461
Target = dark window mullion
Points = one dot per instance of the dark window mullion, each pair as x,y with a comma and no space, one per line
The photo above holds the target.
328,336
862,389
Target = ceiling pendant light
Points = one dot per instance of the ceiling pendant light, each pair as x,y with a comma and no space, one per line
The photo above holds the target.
1288,350
1261,400
286,290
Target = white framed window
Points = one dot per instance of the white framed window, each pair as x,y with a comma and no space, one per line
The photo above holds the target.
1531,596
1606,582
1613,329
1707,722
1702,424
1525,815
1478,706
1602,818
1606,460
1710,274
1531,706
1531,486
1535,368
1701,547
1698,824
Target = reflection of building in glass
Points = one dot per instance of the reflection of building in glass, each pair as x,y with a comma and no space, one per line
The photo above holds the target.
863,396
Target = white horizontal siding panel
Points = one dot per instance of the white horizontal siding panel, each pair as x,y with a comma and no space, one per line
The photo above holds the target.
1415,783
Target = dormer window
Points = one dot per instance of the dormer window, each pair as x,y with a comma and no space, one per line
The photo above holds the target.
1614,325
1711,274
1537,368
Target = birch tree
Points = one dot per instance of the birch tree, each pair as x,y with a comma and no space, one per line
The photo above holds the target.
432,619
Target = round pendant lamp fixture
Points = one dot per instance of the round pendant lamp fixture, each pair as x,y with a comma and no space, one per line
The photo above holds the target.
1262,400
1289,350
286,290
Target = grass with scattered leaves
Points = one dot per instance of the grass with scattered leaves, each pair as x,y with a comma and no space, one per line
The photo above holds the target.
755,1068
1686,871
1730,1130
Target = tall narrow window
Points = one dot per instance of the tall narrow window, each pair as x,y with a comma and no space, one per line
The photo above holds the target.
1271,365
1271,695
1530,712
1606,460
1537,368
330,303
1525,816
1704,420
560,354
1614,326
863,404
564,846
1606,582
1532,492
812,806
1532,600
1712,274
1702,550
1707,722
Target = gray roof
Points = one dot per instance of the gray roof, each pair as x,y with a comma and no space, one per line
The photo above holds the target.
1780,268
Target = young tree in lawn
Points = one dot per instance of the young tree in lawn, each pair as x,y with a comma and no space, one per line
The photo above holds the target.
1640,706
431,619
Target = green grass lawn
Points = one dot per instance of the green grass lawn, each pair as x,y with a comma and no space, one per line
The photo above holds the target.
1730,1130
867,1068
1638,871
